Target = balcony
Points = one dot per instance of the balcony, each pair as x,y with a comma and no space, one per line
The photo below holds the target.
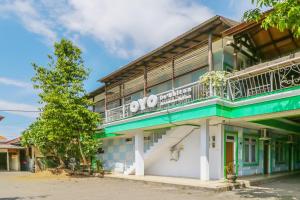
263,79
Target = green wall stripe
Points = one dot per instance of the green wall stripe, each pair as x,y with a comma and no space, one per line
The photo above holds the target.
267,107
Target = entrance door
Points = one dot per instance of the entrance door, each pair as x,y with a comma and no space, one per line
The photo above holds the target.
3,161
266,157
229,153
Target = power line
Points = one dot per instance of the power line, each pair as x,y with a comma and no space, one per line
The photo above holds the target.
20,111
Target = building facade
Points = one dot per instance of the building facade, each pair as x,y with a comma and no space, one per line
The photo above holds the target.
243,117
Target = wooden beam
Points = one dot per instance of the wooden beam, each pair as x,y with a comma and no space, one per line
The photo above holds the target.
274,43
145,80
210,55
173,73
243,52
105,97
270,43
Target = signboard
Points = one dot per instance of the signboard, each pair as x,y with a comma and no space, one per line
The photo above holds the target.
172,97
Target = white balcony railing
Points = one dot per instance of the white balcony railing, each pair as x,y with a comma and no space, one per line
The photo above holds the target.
172,98
258,80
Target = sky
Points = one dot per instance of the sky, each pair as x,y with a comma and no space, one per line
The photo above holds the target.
110,33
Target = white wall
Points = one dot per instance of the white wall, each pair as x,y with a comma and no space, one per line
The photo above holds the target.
188,164
216,162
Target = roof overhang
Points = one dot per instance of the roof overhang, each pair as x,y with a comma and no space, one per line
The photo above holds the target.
197,35
97,91
265,43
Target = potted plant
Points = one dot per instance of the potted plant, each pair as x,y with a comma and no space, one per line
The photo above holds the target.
230,174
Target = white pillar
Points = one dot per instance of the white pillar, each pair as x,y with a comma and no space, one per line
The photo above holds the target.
204,151
139,153
7,160
19,161
216,153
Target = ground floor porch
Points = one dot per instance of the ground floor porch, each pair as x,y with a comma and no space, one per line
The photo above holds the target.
13,158
207,149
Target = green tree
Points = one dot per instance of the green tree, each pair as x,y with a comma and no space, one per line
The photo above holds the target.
66,126
283,14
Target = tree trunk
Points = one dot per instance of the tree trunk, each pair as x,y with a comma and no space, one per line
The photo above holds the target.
82,155
61,163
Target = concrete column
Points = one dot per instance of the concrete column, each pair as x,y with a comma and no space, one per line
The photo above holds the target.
139,153
19,161
210,62
7,164
204,151
216,164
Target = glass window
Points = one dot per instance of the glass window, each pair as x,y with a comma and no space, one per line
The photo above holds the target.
279,152
163,87
250,150
99,106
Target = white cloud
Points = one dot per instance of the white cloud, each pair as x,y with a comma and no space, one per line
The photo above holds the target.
7,105
126,28
15,83
29,17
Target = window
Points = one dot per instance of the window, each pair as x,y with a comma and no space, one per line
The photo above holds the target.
279,152
250,150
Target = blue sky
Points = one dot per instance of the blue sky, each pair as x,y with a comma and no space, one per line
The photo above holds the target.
110,32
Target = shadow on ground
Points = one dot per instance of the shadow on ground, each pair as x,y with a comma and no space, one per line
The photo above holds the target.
26,197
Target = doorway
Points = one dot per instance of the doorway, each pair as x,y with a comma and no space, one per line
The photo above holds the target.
266,157
230,165
3,161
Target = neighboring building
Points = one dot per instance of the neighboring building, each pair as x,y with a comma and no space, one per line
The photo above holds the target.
160,120
13,157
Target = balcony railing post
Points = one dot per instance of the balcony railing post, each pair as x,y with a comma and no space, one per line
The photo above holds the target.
123,111
271,81
230,93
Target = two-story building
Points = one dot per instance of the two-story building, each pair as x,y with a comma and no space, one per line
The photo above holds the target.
159,119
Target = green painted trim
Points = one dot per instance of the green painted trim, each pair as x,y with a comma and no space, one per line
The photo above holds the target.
105,135
196,113
278,124
267,107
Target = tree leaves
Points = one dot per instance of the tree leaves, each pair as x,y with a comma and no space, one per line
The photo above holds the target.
284,14
65,121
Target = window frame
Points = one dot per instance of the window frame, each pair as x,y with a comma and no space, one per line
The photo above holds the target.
284,157
251,138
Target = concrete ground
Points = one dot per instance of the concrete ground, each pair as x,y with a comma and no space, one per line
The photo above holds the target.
15,186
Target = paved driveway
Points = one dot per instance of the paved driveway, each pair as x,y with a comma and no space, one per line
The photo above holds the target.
15,186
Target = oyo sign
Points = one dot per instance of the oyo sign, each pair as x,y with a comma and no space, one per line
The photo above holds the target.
142,104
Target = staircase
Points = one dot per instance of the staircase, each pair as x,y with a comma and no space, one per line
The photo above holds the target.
171,138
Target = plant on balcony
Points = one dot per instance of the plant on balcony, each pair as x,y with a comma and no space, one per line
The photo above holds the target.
217,79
